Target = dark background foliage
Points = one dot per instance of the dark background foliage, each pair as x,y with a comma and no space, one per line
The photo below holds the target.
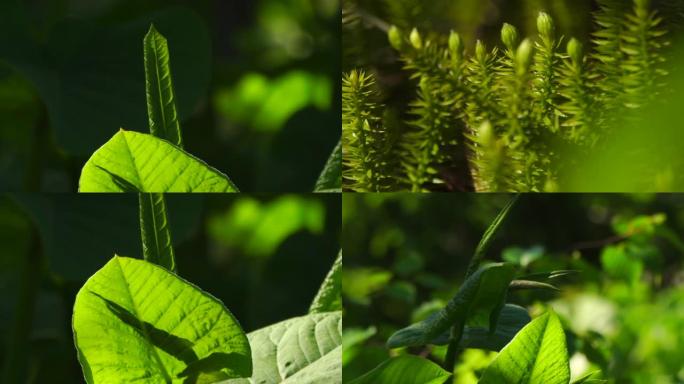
263,256
406,255
257,86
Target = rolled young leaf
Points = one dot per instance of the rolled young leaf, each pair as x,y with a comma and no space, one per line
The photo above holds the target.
329,296
330,179
132,161
477,303
137,322
406,369
161,103
537,355
301,350
487,237
155,231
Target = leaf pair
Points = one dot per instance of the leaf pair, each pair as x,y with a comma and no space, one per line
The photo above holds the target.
537,355
134,320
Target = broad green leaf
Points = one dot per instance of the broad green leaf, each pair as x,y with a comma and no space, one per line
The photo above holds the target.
477,303
154,230
329,296
588,378
487,237
537,355
301,350
161,102
330,179
133,161
137,322
406,369
511,320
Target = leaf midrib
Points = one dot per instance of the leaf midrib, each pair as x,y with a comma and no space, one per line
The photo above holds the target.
159,90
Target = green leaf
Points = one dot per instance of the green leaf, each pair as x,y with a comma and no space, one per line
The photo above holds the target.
161,102
154,230
330,179
537,355
301,350
531,284
329,296
148,164
136,322
405,369
478,303
487,237
511,320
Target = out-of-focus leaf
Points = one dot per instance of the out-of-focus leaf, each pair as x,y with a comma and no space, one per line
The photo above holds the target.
329,296
477,303
521,256
132,161
330,179
258,229
267,104
405,369
537,355
359,283
133,319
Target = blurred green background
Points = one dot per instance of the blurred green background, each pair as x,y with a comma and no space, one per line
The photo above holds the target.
257,86
264,256
406,255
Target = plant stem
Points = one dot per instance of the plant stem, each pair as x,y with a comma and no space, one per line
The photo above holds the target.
451,356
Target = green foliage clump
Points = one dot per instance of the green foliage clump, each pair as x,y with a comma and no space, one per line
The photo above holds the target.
522,114
367,159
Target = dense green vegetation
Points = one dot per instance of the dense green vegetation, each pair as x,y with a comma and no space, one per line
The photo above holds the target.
233,255
609,267
511,96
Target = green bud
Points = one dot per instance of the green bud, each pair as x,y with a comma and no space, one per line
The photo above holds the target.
485,133
545,24
575,50
480,51
394,36
523,57
455,42
456,45
509,36
415,39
